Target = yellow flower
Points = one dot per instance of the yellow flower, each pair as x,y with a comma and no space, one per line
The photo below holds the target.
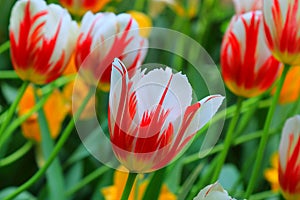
114,192
190,10
143,21
291,87
271,174
55,112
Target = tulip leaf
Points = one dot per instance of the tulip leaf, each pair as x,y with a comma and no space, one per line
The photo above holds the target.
24,195
154,187
54,173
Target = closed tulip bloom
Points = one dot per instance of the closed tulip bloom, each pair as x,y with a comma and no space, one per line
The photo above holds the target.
243,6
248,67
42,40
79,7
151,118
282,29
103,37
289,159
213,192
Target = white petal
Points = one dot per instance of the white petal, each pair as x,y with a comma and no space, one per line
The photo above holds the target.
18,11
291,126
118,72
213,192
150,88
209,107
66,32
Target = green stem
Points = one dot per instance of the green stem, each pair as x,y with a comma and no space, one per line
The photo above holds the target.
128,186
154,187
5,46
54,174
16,123
57,148
13,108
228,140
16,155
8,74
264,137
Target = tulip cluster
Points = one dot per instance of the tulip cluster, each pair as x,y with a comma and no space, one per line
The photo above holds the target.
150,116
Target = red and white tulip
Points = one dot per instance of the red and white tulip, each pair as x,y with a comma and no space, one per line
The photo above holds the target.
282,29
79,7
289,159
151,118
42,40
103,37
213,192
248,67
243,6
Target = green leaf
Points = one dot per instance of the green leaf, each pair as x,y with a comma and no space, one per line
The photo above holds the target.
24,195
74,175
54,173
154,187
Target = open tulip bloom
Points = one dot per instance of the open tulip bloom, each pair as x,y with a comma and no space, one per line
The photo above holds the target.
103,37
282,29
151,118
248,67
289,159
42,40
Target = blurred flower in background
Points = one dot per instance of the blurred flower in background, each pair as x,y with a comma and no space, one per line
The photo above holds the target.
213,192
81,91
289,159
103,37
243,6
271,174
79,7
189,10
291,87
55,112
282,29
143,20
151,118
248,67
114,192
42,40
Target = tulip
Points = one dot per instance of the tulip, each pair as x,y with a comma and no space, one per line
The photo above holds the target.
213,192
103,37
289,159
79,7
248,67
42,40
282,29
243,6
151,118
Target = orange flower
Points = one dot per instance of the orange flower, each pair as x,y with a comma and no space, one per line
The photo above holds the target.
291,87
271,174
114,192
55,111
79,7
